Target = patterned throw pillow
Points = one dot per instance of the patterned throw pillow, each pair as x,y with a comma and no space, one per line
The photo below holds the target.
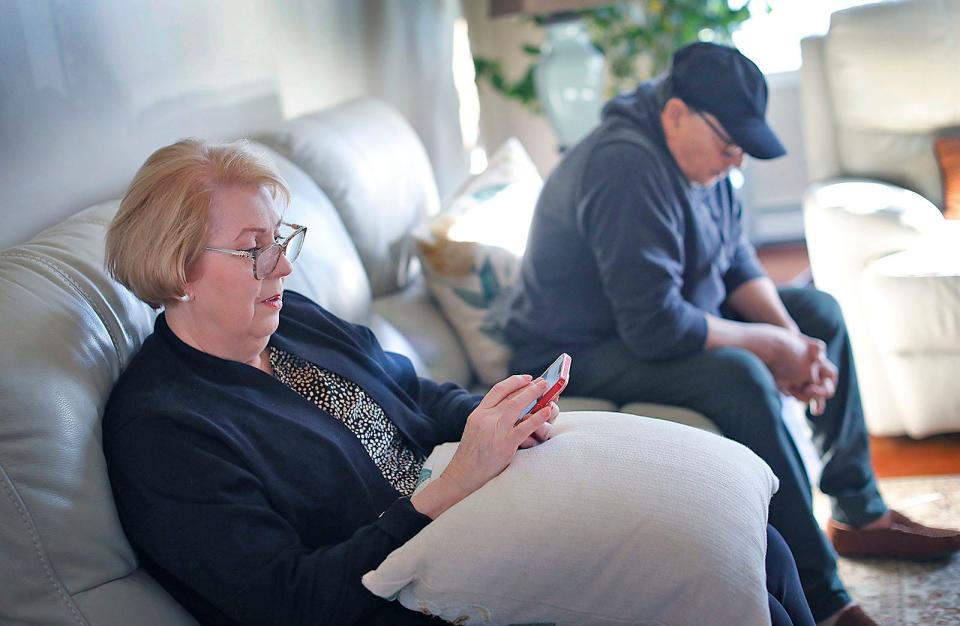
471,254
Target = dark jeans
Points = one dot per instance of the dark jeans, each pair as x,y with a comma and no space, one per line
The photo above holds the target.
732,387
788,606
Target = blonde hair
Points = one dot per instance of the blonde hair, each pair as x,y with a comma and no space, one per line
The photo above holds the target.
160,230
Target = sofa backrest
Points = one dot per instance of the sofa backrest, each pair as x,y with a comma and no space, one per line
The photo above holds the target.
68,331
329,270
369,161
878,88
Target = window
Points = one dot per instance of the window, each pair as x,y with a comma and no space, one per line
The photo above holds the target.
772,39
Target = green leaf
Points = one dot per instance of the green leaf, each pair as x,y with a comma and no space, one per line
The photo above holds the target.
531,49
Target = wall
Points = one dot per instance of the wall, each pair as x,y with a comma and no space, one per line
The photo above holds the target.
773,190
89,89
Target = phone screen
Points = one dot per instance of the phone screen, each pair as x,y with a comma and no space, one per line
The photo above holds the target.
552,375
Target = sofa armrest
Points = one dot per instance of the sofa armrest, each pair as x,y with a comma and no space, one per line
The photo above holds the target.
850,222
914,298
913,303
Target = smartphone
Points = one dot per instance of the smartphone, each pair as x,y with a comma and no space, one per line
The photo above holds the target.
556,376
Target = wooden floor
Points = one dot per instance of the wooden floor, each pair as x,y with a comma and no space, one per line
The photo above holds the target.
786,263
892,456
902,456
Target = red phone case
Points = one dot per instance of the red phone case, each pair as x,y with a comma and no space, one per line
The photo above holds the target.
557,387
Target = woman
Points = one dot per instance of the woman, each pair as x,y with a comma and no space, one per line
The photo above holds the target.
262,451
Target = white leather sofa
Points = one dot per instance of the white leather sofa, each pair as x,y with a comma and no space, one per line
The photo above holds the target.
878,88
67,332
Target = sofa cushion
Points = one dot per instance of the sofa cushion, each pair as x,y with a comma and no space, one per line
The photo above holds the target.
392,340
413,312
68,331
677,414
596,526
370,163
471,251
329,270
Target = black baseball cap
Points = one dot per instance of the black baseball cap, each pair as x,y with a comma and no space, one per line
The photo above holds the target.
719,80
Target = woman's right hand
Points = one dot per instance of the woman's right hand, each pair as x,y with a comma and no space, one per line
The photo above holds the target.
490,440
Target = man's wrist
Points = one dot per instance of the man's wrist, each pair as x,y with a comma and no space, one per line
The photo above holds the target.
762,339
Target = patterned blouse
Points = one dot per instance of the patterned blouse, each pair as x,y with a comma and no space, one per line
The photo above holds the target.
347,402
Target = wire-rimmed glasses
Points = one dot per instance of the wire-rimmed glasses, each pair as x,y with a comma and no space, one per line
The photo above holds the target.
266,259
730,149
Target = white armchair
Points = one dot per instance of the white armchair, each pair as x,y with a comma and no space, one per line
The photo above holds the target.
878,88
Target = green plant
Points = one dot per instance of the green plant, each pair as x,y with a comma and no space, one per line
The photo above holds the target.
638,39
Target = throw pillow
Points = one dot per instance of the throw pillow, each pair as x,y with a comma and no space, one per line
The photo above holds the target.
947,149
471,254
618,519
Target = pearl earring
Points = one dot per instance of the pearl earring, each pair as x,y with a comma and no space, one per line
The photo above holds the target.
185,297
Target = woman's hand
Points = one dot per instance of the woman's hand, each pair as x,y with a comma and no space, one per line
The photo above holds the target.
544,432
490,441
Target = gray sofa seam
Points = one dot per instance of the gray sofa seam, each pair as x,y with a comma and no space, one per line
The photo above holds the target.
9,490
17,502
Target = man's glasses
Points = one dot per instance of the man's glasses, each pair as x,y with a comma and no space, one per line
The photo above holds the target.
730,149
266,259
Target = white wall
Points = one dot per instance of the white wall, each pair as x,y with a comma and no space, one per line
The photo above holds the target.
88,89
773,190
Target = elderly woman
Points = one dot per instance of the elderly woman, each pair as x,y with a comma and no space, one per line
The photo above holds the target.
262,451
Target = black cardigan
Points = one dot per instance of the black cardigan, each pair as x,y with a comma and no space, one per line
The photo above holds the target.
248,503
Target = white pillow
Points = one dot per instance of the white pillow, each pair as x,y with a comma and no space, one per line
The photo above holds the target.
471,254
618,519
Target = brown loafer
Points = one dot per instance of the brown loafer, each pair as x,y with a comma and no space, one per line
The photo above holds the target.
854,616
905,539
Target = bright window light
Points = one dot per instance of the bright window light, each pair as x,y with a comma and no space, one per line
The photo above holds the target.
502,219
772,40
464,81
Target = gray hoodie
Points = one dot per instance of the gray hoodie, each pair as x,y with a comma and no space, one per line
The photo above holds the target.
622,244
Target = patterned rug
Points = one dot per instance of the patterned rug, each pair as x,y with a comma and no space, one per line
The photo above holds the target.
907,594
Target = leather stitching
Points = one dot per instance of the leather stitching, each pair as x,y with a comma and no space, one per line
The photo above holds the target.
38,549
76,287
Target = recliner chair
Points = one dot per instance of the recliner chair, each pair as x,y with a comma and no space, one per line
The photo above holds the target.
878,89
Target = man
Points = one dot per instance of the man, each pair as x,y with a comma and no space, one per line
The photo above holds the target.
639,267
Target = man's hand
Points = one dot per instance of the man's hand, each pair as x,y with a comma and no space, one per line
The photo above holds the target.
816,394
800,366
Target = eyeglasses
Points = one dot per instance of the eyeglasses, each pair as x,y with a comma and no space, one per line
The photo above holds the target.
730,149
266,259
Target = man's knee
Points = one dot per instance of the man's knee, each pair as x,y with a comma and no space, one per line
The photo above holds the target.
743,375
821,317
747,404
